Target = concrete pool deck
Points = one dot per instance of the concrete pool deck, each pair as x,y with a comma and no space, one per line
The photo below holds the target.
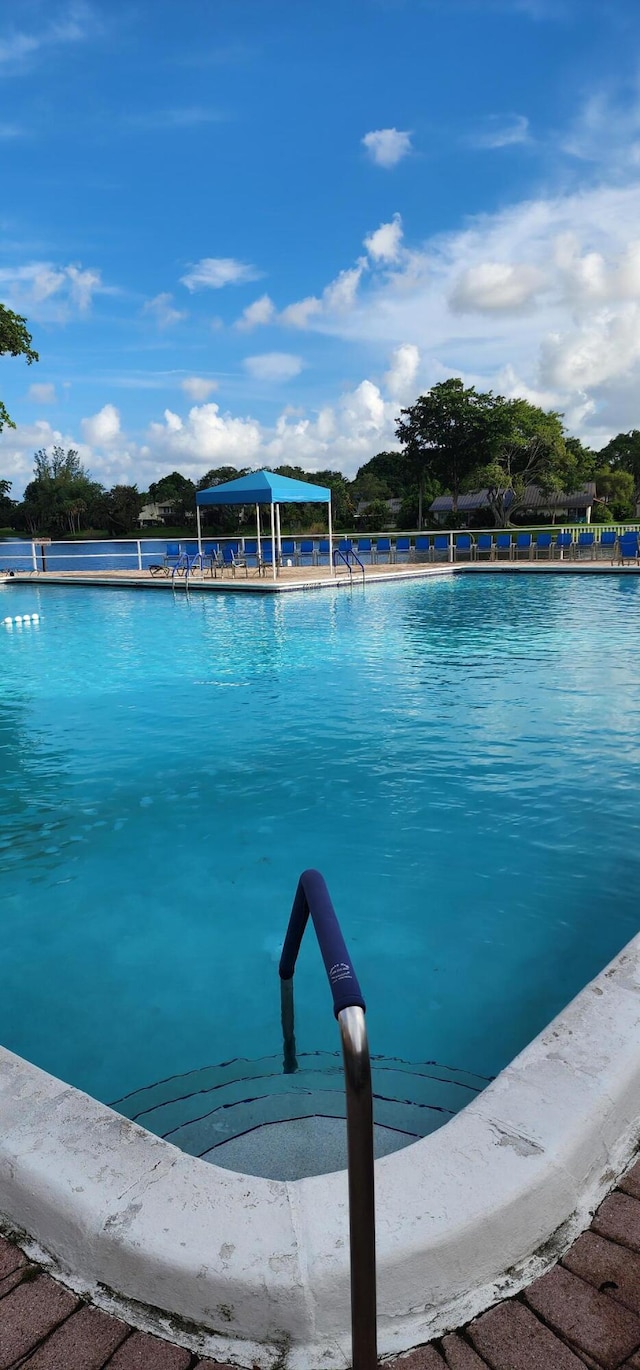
297,578
583,1312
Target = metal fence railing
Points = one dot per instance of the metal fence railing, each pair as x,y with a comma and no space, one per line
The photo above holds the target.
140,554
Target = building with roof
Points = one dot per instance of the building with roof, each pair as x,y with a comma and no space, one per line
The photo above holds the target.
537,503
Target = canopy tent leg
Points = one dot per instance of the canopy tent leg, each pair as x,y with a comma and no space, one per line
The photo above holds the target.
278,537
258,529
273,545
199,529
330,537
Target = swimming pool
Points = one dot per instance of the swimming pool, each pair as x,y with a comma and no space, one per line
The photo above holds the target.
458,757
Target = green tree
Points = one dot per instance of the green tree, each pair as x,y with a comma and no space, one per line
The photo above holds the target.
62,496
623,454
122,504
529,447
376,517
8,506
176,490
615,489
15,341
388,475
446,435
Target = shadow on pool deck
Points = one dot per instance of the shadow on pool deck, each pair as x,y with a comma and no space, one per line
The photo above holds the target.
584,1312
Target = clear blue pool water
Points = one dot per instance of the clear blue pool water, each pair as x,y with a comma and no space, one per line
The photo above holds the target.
459,757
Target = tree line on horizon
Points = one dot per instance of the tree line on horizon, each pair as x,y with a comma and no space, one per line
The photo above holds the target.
453,439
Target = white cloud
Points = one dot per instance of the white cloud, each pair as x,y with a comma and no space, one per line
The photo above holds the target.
212,273
385,243
162,309
11,131
273,366
103,428
387,146
400,379
261,312
300,314
607,131
42,394
503,132
51,292
75,24
197,388
547,290
337,298
206,438
495,287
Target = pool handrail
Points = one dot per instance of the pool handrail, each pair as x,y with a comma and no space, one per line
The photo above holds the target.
313,899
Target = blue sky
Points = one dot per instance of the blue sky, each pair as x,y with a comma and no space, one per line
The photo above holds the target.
248,231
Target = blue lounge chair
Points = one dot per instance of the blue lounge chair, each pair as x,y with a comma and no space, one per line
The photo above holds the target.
608,539
364,548
383,545
232,558
210,554
564,543
403,549
627,548
463,545
323,550
484,545
289,551
307,549
172,556
543,544
523,544
586,544
422,546
440,550
504,547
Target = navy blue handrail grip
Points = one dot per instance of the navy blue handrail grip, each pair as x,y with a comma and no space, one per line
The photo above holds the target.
312,897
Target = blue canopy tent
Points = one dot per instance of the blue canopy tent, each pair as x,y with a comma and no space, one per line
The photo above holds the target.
265,487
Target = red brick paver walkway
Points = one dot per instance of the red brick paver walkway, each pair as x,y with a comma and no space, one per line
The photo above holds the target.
584,1312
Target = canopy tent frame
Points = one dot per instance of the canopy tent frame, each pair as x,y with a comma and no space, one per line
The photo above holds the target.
266,487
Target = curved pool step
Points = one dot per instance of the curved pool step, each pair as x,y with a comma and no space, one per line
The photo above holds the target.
251,1117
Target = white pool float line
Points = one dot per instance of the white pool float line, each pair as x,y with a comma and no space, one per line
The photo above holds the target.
19,619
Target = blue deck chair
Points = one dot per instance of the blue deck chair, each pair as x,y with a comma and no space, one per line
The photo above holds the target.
628,548
484,545
543,545
564,543
210,555
345,545
232,558
524,543
383,545
608,538
289,551
504,547
422,546
402,549
323,550
172,555
463,545
364,548
307,549
440,550
586,544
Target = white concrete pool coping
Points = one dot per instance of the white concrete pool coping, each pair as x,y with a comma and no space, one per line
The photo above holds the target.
245,1265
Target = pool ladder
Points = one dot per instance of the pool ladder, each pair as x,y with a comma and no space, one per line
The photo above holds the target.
350,559
312,898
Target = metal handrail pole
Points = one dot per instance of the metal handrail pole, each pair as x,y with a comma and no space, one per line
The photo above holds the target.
362,1234
312,900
